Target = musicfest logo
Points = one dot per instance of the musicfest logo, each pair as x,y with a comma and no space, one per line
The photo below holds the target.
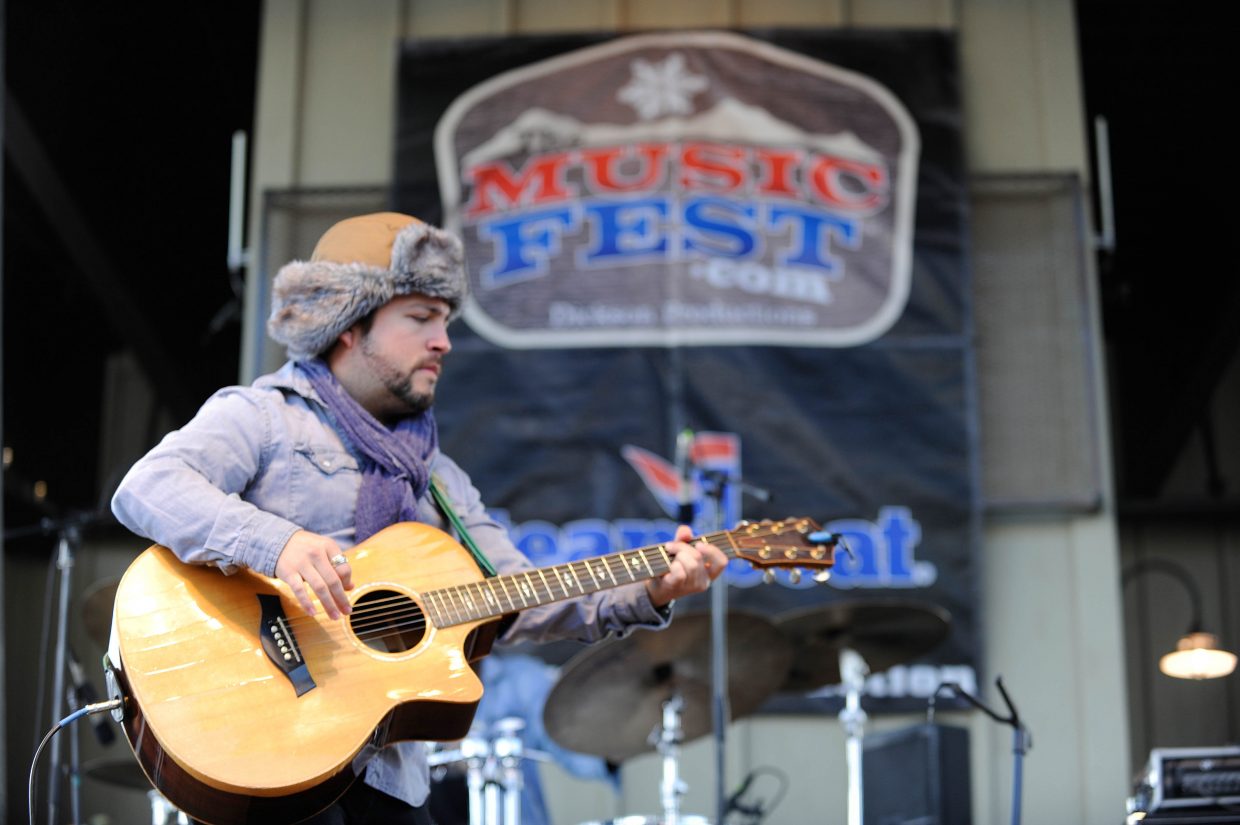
697,188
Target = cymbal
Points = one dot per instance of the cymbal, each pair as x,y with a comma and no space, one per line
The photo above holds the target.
97,601
884,632
121,773
609,698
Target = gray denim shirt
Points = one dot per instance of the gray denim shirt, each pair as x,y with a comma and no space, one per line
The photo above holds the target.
258,463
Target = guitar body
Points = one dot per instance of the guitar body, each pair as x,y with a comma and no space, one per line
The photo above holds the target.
242,709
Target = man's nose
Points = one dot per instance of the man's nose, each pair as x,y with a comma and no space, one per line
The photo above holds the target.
440,342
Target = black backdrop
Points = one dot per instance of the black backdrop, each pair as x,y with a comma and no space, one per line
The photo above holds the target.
877,440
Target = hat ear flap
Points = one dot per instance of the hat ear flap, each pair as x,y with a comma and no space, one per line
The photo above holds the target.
431,262
313,302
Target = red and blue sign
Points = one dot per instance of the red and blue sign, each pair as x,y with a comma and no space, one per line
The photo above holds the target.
757,237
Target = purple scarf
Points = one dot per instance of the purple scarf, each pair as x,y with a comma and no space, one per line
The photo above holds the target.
395,473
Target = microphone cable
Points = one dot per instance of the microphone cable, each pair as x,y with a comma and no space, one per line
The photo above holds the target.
88,710
755,812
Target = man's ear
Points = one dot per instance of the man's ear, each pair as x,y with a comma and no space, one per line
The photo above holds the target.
343,344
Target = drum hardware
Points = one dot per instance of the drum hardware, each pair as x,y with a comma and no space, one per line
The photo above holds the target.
884,632
610,696
841,642
492,770
653,690
667,738
162,811
853,669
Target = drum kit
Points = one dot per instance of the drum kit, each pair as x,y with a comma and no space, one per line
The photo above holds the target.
651,691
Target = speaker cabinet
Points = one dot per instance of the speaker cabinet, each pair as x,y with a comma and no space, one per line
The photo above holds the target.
916,776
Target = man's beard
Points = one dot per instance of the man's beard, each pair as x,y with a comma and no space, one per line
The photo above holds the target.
399,384
415,402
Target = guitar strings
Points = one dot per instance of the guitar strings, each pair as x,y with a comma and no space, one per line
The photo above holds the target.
543,591
400,614
378,610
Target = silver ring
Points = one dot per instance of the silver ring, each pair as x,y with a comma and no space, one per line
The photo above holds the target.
338,560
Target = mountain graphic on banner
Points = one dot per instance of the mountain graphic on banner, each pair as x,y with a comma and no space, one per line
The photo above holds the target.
538,130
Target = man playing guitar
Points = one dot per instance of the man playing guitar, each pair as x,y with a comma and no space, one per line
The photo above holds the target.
287,476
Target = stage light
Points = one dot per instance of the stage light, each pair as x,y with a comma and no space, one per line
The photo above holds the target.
1197,654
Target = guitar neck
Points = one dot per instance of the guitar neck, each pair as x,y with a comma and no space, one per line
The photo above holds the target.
500,595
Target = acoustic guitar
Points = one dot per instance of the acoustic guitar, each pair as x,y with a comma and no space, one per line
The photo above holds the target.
241,708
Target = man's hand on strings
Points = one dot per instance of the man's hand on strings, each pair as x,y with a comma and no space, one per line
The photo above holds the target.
314,563
694,567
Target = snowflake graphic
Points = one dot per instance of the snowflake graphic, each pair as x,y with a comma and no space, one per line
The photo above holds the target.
665,88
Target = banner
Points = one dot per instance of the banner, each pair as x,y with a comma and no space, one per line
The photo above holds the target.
758,238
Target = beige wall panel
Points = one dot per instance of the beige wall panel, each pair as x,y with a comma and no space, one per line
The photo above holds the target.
1021,87
1062,125
440,18
533,16
274,145
902,13
277,114
689,14
1002,96
806,13
1051,627
349,82
571,800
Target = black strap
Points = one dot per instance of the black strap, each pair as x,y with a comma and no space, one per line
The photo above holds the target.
445,506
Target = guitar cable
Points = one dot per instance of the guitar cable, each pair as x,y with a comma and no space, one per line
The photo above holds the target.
86,710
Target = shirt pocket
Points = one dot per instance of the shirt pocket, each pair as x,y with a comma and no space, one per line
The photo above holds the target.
328,460
325,481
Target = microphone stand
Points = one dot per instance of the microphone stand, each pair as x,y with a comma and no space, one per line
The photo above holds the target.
70,537
715,484
69,532
1022,740
721,712
718,610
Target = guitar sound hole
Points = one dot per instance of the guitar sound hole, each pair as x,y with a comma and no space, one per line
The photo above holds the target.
387,621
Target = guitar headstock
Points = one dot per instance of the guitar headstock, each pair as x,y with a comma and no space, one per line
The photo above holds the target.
793,542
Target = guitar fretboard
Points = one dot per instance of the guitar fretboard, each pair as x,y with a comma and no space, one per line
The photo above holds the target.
499,595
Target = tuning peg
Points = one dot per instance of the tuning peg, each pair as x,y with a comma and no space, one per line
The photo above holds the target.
768,576
822,576
794,575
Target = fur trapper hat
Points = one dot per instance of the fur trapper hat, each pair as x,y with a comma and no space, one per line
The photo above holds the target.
358,266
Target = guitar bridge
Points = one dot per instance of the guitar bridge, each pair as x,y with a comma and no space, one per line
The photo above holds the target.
280,644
